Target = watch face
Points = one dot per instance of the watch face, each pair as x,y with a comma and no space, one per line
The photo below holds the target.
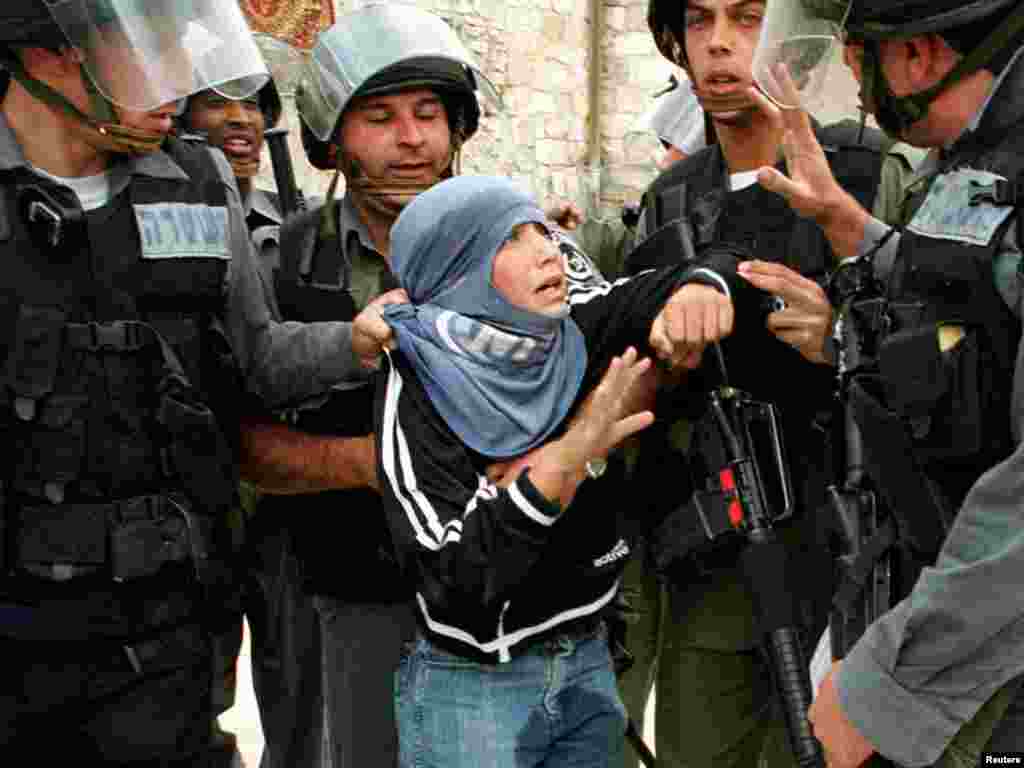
596,467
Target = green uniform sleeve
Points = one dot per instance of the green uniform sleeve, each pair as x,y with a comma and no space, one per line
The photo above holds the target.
897,174
606,241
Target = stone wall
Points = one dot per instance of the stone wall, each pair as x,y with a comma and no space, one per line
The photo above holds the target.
539,54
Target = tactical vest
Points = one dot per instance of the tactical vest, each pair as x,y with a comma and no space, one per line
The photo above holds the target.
313,284
934,400
113,363
758,222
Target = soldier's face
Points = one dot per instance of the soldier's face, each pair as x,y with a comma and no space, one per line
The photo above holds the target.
721,36
234,126
399,138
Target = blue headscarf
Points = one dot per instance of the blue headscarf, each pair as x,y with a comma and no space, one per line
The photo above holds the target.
502,378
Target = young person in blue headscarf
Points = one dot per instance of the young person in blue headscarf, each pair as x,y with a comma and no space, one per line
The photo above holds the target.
495,352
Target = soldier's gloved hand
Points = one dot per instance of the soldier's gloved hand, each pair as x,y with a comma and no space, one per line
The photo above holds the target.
695,316
370,334
805,322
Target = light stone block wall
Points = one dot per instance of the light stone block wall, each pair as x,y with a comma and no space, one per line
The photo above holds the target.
538,55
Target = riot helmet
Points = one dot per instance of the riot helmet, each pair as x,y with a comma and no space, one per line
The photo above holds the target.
800,37
136,55
382,49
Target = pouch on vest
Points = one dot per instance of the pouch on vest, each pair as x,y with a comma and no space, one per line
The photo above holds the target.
197,454
33,358
53,451
920,510
936,391
149,532
66,534
311,284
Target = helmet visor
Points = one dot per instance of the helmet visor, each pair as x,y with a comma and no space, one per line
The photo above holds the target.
143,54
367,42
799,49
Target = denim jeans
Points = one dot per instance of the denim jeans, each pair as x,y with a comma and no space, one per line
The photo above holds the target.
554,705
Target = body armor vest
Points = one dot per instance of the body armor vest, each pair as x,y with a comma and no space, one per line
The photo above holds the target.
111,361
934,394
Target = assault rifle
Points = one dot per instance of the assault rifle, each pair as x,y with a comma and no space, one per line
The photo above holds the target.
864,560
747,429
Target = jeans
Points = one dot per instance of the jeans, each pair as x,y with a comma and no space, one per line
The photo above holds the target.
554,705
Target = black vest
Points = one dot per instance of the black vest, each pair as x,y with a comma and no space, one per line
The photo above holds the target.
312,284
112,367
934,419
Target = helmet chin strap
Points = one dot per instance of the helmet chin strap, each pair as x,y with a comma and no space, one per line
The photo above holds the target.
388,197
244,169
108,134
115,137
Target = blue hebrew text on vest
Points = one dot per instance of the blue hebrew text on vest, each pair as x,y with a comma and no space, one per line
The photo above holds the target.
183,230
947,212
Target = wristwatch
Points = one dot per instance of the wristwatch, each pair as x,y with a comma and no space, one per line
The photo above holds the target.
595,467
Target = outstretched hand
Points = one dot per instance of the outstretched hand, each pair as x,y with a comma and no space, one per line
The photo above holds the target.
610,413
806,320
810,189
370,334
608,416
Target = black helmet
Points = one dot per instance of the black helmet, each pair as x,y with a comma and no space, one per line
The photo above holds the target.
879,19
985,32
665,18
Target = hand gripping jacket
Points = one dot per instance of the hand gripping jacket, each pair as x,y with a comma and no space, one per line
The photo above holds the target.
933,414
726,227
112,367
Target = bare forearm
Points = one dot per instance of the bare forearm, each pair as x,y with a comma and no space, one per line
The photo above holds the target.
282,460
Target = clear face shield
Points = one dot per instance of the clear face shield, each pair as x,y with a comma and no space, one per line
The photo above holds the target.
368,41
798,61
144,54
